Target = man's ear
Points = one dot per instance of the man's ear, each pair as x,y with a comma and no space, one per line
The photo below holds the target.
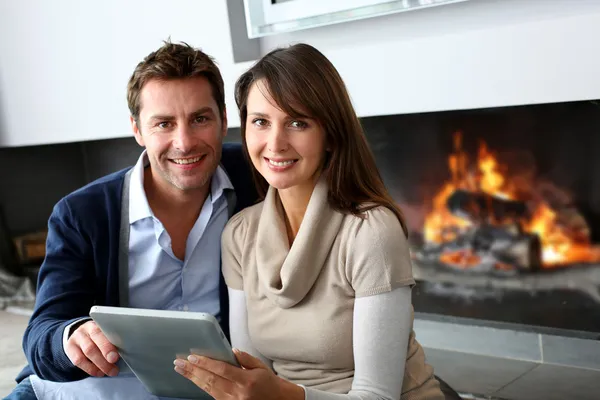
224,122
136,131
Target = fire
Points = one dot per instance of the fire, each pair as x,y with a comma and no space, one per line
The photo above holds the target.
463,258
558,245
441,225
491,181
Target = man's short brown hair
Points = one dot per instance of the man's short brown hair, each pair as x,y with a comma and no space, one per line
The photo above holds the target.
174,61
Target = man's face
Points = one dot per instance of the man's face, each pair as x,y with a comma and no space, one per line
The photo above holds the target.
181,128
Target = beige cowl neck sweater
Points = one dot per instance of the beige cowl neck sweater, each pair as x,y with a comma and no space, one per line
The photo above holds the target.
300,299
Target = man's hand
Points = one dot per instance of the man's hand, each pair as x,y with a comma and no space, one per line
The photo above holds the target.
90,350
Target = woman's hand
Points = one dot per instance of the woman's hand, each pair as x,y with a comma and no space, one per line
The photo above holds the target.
224,381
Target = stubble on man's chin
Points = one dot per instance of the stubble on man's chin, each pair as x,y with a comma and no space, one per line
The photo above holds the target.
174,181
201,181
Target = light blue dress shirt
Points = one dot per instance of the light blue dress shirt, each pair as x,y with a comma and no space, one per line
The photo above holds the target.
158,279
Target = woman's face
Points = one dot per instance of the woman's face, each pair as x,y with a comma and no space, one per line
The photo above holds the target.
288,152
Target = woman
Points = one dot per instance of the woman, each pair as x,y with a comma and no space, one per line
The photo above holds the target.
319,273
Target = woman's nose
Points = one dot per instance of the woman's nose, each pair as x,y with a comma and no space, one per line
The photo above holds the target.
278,142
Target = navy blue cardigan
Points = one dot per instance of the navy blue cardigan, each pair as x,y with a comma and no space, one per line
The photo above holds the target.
81,266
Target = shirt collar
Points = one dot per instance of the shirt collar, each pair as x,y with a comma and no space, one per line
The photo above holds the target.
138,202
219,183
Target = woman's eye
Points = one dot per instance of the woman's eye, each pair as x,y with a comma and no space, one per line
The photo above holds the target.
259,122
298,124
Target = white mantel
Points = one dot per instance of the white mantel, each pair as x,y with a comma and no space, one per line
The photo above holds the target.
481,53
64,64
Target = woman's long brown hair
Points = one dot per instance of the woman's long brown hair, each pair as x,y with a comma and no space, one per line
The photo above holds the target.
305,84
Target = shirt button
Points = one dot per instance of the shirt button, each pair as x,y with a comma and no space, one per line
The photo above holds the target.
186,308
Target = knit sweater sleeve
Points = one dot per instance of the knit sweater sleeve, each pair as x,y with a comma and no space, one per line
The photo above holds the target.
238,322
65,294
377,254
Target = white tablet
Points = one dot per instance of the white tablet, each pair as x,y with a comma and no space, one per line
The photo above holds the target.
150,340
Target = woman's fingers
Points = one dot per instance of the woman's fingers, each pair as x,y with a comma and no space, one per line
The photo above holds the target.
213,384
248,361
220,368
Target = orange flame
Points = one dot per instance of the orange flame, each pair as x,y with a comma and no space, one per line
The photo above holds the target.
441,226
492,181
557,246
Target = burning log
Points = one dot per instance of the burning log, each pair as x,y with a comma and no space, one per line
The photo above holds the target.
523,250
481,208
476,196
494,241
488,248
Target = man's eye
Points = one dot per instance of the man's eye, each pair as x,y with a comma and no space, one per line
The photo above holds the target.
201,119
164,125
259,122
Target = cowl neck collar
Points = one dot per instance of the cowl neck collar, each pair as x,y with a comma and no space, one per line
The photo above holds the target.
288,273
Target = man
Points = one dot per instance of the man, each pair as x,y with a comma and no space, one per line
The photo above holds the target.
146,237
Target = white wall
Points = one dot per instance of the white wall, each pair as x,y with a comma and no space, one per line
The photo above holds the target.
64,64
479,53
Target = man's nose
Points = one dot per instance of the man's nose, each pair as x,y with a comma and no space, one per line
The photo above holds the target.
184,138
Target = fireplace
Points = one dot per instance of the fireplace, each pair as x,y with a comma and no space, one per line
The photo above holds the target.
503,208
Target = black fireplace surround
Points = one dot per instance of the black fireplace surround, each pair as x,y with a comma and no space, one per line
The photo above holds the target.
558,144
